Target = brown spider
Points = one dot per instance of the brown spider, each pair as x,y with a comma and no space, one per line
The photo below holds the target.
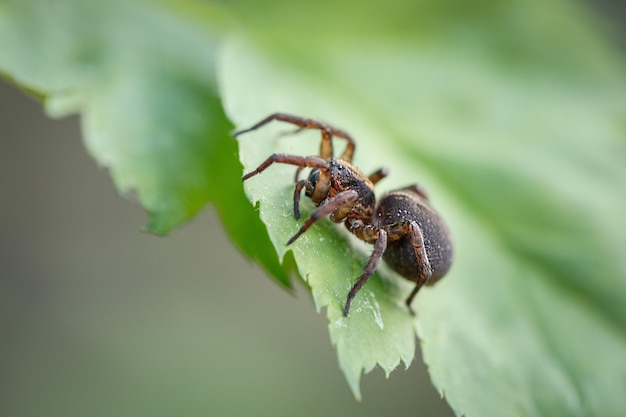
405,230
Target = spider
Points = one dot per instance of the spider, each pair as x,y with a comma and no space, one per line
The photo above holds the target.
403,227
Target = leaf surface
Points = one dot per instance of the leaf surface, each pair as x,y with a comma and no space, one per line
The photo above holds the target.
523,165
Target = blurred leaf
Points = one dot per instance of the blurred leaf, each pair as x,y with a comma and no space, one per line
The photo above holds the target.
138,98
142,76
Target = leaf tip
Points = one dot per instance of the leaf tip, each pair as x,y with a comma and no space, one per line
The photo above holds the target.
158,225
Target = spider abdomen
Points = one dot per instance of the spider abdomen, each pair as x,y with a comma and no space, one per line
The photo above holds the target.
405,206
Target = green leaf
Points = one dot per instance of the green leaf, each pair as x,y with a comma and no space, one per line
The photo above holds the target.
137,97
142,77
523,154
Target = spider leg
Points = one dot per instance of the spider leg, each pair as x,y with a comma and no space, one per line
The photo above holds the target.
399,230
343,199
297,194
366,232
326,147
417,189
298,171
425,270
372,263
378,175
301,161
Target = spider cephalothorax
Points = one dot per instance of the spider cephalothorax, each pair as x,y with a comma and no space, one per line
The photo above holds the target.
404,228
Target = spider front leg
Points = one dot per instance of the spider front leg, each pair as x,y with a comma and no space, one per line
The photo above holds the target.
343,200
301,161
326,147
297,194
317,193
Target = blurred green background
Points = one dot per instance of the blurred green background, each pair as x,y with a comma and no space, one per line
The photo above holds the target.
100,319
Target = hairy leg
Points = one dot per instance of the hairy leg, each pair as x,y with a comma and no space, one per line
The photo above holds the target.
379,248
326,147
